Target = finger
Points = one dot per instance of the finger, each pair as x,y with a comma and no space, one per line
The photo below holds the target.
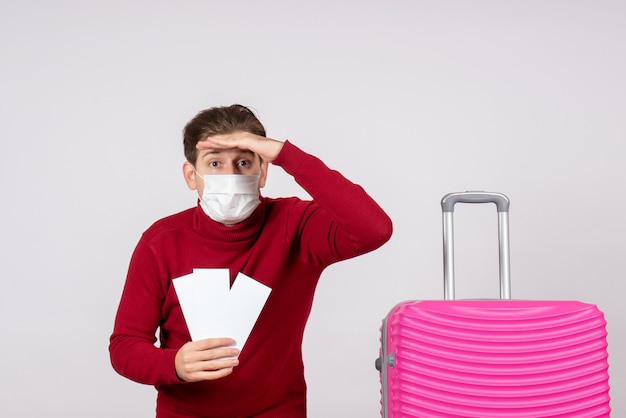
239,139
215,365
209,359
210,343
210,365
232,140
212,375
211,143
215,354
208,368
193,370
209,349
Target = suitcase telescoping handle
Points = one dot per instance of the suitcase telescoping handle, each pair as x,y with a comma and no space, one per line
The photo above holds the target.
502,203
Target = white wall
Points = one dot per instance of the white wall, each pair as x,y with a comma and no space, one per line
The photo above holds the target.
412,99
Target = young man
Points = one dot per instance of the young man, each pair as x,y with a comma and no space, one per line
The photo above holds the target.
283,243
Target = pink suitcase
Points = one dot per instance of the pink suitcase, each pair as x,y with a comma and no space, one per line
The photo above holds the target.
492,358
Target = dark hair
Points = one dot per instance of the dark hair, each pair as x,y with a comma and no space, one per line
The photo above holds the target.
218,120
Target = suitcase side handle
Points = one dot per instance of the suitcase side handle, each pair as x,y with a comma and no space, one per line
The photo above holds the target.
502,203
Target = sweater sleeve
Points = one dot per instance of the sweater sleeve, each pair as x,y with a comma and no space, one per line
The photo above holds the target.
343,221
132,345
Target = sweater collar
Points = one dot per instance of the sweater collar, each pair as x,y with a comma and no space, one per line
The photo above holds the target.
245,231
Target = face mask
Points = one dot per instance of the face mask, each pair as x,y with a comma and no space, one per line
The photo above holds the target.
229,198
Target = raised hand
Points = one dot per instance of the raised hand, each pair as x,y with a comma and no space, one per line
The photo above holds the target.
266,148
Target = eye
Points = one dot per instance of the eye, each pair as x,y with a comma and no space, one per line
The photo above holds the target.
214,164
243,163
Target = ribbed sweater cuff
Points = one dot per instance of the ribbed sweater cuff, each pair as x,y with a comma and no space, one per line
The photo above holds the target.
290,157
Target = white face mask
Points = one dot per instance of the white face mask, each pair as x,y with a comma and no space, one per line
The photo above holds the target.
229,198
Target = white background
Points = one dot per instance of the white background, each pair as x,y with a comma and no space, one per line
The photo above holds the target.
411,99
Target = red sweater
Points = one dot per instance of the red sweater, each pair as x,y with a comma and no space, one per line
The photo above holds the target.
285,244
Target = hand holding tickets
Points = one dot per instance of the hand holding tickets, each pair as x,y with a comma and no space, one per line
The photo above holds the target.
211,309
